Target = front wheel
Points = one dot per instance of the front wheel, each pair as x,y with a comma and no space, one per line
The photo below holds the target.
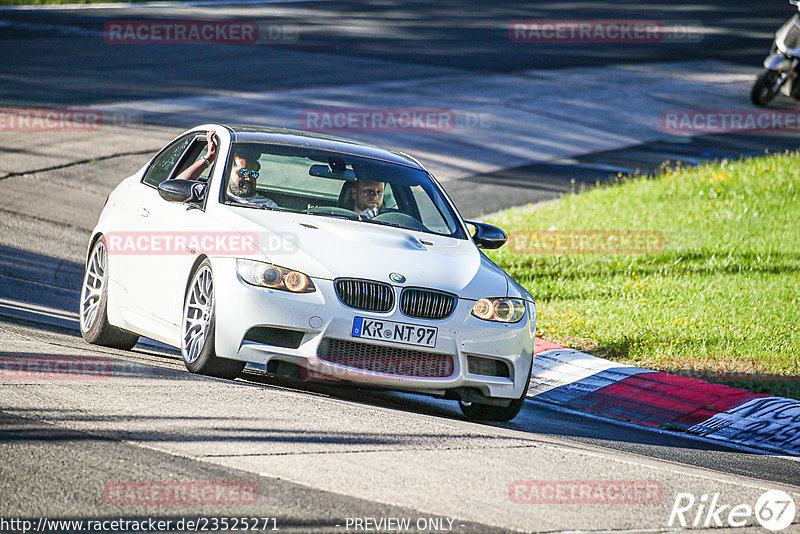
485,412
764,91
93,312
197,330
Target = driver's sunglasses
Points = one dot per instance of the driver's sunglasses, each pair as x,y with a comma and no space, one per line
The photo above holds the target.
244,173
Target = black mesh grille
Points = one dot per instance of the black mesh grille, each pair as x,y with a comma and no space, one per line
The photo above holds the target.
365,294
478,365
278,337
387,360
427,303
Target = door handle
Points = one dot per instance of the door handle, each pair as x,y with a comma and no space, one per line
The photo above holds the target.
143,212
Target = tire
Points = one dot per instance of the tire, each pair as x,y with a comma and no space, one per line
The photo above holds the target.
499,414
763,91
794,90
198,327
93,311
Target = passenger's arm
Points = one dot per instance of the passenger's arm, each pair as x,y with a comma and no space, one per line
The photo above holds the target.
194,171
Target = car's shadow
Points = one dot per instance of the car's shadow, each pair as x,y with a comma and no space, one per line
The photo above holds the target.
551,425
52,285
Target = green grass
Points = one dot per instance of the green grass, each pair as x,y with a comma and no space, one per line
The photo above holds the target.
720,301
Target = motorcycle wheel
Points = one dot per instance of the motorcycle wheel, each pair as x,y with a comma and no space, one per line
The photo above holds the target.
763,91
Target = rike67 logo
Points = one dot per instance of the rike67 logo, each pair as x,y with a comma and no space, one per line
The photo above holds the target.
774,510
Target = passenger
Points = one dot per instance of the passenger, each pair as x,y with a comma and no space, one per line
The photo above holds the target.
242,180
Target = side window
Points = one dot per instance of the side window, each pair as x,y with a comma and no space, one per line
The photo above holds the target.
196,151
163,165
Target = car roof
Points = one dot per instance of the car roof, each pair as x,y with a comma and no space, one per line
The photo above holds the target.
317,141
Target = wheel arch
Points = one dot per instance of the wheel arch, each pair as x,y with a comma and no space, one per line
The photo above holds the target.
92,241
197,262
208,362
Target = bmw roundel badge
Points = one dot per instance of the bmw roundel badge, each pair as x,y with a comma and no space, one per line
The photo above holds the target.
397,277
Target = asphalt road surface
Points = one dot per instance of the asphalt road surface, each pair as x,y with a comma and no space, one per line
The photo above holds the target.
315,457
560,115
61,57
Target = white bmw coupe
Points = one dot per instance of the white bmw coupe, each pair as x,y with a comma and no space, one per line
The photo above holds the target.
309,256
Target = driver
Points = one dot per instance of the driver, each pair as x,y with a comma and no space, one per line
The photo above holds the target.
367,197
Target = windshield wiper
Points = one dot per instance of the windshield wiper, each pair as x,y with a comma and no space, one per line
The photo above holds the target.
385,223
345,217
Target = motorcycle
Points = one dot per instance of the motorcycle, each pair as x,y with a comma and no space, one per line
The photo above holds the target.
781,65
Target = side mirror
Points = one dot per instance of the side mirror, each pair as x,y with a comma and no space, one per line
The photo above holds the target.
488,236
181,190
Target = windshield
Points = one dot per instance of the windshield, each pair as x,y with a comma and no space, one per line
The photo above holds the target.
331,184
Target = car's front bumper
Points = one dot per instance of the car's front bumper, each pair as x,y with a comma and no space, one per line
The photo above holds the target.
321,315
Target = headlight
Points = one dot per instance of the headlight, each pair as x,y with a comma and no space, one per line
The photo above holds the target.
500,309
262,274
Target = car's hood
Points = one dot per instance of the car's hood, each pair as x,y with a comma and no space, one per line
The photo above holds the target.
326,247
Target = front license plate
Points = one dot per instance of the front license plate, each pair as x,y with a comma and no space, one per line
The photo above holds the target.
410,334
